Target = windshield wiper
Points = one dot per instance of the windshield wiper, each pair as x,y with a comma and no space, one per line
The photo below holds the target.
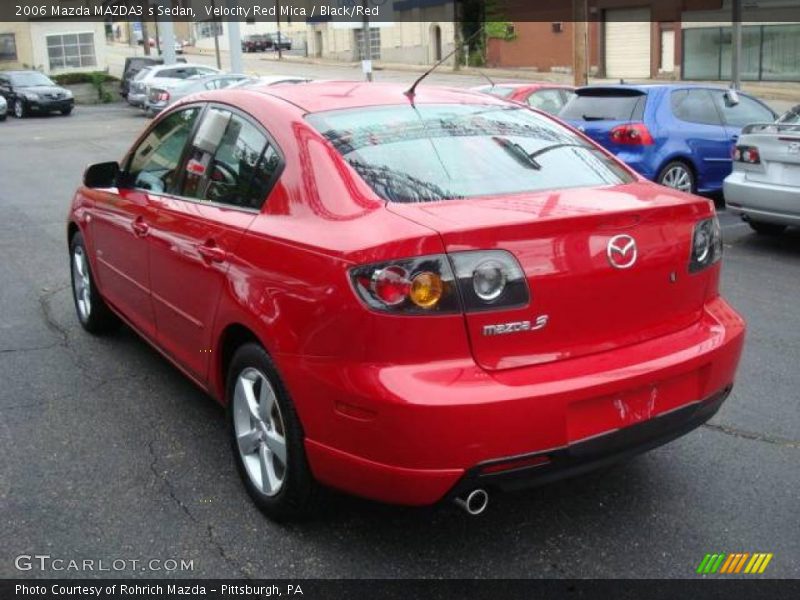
518,153
590,118
541,151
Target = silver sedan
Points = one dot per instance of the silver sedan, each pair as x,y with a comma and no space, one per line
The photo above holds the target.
161,96
764,187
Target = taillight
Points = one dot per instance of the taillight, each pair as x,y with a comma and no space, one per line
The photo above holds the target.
423,285
747,154
706,244
632,134
469,281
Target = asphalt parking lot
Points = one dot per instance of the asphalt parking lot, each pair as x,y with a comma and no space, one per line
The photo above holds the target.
110,453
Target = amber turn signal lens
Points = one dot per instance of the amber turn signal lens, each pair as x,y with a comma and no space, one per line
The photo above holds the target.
426,289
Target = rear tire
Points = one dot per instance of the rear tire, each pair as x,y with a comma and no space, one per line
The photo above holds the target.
679,176
93,313
766,228
267,438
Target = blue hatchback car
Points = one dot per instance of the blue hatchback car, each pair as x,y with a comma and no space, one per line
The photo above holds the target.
681,136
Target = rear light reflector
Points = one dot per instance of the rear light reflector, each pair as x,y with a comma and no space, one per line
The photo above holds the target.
511,465
632,134
747,154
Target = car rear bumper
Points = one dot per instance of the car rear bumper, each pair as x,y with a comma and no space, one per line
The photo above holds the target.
137,99
762,202
416,434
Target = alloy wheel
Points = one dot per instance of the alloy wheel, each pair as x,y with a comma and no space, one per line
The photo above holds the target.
260,431
81,283
19,109
678,177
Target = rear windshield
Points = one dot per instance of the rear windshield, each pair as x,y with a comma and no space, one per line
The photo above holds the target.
437,152
605,105
792,116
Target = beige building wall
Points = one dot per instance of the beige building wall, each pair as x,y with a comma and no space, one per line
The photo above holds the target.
22,37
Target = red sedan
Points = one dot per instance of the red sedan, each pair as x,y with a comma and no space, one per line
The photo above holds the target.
408,297
548,97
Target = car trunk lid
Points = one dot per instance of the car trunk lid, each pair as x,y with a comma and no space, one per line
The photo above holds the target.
580,302
779,152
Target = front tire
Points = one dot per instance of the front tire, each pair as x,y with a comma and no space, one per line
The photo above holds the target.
20,110
679,176
93,313
66,112
766,228
267,437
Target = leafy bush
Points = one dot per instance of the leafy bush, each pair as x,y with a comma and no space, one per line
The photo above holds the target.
96,78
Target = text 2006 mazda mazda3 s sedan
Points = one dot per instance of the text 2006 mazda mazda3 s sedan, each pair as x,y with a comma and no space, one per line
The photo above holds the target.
408,296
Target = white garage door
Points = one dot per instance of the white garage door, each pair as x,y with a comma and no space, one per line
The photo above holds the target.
628,43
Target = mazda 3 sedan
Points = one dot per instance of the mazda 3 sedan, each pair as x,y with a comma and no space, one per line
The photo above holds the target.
413,296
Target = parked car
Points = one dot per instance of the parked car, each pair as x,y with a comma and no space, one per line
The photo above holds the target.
764,187
279,40
412,296
177,47
681,136
134,65
3,108
163,75
159,97
255,43
267,80
28,92
548,97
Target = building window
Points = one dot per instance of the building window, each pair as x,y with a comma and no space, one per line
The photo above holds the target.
374,43
8,46
71,51
769,53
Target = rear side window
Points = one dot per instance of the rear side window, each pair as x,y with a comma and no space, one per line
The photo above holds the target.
791,117
747,111
231,162
439,152
154,164
694,106
550,101
597,104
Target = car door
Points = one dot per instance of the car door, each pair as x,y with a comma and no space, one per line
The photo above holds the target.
120,226
227,172
704,133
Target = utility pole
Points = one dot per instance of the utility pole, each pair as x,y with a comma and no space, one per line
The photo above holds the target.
366,53
167,38
580,45
736,45
278,22
457,42
216,35
145,39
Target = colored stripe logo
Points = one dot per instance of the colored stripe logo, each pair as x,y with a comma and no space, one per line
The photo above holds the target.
738,562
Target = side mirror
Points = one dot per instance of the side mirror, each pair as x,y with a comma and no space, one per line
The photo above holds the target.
101,175
731,98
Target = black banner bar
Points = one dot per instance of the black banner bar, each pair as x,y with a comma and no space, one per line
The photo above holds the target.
332,11
739,588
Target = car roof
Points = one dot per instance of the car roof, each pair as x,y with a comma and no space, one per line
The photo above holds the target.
647,87
320,96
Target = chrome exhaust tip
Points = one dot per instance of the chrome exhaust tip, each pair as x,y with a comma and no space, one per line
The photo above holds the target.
475,502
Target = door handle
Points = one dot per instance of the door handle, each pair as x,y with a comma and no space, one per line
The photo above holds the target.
212,253
140,228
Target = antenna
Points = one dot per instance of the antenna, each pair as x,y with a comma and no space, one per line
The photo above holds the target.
487,78
412,90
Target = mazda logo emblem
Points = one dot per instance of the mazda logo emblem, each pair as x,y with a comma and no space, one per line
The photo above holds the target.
622,251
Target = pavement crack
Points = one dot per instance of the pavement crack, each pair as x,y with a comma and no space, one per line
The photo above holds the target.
209,529
30,348
753,436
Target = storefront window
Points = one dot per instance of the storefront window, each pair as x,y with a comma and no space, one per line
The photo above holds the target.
769,52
